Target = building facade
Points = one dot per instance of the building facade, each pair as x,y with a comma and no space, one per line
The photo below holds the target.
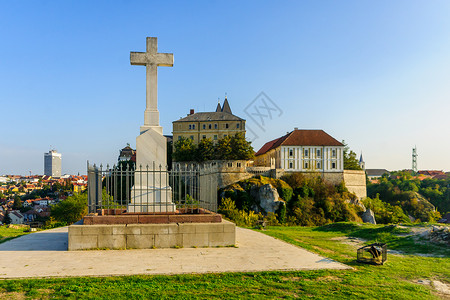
52,163
213,125
303,151
127,154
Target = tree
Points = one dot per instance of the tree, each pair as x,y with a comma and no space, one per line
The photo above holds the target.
184,150
224,148
205,150
17,203
228,148
350,160
241,149
71,209
7,219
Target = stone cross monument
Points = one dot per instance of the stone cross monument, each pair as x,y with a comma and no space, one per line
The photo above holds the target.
151,192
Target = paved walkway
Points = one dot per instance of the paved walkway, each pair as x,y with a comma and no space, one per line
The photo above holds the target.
44,254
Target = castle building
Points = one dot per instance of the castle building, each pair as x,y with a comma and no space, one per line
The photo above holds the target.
303,151
213,125
52,163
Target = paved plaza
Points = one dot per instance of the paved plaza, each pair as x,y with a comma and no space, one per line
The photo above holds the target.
44,254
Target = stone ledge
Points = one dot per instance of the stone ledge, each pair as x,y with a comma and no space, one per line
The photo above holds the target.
146,236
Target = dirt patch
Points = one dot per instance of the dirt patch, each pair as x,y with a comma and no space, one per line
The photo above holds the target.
329,278
441,288
12,296
352,241
323,250
293,279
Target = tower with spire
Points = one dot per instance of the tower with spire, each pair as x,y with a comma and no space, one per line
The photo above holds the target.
361,162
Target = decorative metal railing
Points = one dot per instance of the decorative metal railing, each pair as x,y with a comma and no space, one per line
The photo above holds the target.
151,189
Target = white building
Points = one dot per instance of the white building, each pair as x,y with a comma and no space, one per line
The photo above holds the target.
303,151
16,217
52,163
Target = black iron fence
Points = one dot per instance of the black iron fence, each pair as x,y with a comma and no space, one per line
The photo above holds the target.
151,189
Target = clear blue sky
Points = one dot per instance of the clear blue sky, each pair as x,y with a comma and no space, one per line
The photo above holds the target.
373,73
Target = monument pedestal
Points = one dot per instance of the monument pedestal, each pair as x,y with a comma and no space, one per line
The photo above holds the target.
151,199
151,192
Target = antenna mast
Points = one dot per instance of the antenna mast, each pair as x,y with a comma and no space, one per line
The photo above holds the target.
414,160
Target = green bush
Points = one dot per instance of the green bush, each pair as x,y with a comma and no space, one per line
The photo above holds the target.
240,217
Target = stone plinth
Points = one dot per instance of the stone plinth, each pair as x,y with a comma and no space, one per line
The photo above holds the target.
151,192
147,236
119,216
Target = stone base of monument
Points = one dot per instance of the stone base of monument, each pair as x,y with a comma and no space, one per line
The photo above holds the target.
151,199
118,229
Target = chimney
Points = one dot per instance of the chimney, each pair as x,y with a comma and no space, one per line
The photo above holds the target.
295,128
191,112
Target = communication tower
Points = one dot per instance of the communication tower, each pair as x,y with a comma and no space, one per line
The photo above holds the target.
414,160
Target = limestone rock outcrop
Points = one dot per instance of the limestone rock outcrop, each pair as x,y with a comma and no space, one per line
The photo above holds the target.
368,217
267,198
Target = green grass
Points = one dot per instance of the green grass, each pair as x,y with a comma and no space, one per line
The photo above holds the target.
7,234
393,280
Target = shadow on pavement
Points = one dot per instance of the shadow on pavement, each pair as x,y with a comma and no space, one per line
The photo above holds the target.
39,241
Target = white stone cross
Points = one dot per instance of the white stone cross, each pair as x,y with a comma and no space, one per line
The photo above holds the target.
152,60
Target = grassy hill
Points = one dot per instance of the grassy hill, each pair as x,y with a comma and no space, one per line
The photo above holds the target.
414,272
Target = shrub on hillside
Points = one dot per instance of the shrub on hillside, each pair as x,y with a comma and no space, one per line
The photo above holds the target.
240,217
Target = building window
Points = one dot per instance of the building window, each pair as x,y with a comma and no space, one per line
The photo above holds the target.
215,136
333,153
305,152
291,152
305,165
215,126
179,138
230,164
318,165
333,165
190,126
291,165
209,126
204,126
318,153
193,126
224,135
204,137
238,165
237,125
226,125
192,137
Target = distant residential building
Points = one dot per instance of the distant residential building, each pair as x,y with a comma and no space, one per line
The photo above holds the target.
16,217
376,173
303,151
52,164
213,125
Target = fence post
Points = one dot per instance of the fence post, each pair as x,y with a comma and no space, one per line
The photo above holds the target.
94,188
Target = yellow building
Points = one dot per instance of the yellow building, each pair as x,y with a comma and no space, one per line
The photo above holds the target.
213,125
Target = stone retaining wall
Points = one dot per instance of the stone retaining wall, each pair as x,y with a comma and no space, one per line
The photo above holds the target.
355,181
147,236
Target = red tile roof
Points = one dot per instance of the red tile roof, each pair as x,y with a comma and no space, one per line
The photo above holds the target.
301,137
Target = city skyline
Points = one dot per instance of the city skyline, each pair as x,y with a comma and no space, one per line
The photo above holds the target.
374,75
